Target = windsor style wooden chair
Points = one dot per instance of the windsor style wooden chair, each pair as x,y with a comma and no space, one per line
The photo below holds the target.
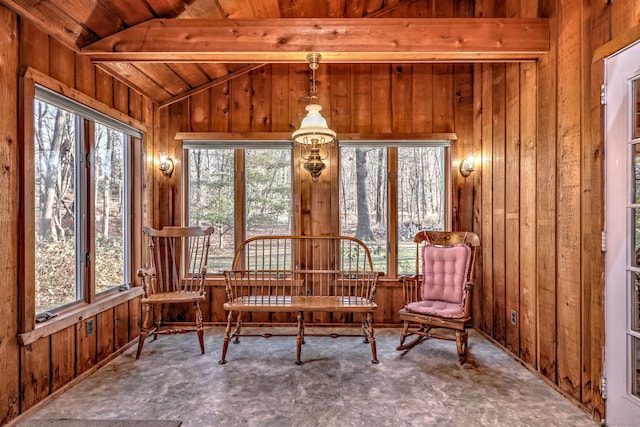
178,268
438,296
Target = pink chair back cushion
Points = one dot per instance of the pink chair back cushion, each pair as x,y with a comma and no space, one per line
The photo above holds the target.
445,271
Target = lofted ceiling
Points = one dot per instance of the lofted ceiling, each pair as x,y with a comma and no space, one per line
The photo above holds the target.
168,49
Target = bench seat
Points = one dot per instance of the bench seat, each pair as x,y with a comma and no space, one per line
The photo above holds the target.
267,303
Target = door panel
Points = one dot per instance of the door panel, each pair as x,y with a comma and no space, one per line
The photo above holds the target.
622,225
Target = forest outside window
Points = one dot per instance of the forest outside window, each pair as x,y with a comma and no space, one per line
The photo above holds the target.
241,191
420,182
82,168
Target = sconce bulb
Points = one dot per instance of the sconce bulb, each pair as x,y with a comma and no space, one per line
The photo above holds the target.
166,164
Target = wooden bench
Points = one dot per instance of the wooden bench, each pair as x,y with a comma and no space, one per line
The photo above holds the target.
300,274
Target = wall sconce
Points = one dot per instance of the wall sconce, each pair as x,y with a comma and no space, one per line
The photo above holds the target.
467,166
166,163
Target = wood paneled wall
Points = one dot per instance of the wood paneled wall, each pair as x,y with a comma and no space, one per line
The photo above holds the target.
31,373
540,130
365,98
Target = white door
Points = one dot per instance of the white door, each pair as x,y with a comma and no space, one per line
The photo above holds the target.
622,225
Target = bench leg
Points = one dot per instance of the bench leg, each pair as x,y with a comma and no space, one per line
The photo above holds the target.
367,327
227,338
299,337
236,332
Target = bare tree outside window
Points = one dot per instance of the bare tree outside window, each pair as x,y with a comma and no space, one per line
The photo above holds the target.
363,200
110,207
55,199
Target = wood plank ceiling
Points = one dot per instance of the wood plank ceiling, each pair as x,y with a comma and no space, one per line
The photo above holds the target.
149,45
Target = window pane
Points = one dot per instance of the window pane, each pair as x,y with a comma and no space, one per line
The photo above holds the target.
636,172
636,108
635,301
268,192
635,238
55,207
635,366
111,195
363,199
421,198
211,201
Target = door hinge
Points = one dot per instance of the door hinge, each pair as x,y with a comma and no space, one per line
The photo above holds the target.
603,241
603,388
87,160
603,94
87,258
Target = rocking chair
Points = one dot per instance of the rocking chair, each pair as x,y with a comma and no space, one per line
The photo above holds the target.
178,257
439,298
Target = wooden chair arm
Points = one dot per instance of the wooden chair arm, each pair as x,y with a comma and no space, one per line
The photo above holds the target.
143,273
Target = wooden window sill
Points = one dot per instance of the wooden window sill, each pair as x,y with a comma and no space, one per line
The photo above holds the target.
77,314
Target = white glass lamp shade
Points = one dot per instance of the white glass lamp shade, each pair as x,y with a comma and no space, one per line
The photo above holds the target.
314,125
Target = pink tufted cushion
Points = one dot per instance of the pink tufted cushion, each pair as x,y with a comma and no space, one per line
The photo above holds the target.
437,308
445,270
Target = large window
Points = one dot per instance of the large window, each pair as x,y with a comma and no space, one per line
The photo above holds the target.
417,173
82,202
241,192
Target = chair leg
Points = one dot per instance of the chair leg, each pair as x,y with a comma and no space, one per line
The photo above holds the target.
199,325
403,335
146,328
299,337
157,320
462,345
227,338
367,320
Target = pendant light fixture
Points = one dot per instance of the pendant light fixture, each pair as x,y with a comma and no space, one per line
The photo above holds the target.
313,133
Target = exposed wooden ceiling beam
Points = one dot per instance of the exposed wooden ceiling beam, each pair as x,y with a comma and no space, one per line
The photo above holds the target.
344,40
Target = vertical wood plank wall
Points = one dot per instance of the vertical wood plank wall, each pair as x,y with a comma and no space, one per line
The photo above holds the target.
540,129
29,374
355,98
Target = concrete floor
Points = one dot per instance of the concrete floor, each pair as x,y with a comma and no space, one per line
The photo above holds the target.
336,386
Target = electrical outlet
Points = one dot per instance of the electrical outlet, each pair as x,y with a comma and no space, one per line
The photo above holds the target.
514,317
89,327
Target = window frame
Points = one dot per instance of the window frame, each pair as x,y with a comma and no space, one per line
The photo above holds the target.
31,84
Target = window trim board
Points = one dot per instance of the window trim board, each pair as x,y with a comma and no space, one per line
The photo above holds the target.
77,314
